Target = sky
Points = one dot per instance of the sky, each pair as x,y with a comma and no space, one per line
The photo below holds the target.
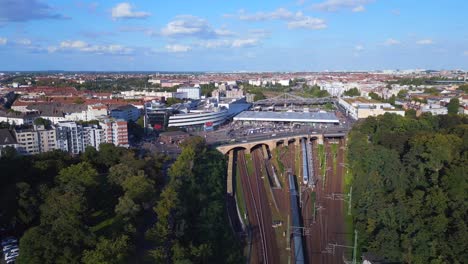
241,35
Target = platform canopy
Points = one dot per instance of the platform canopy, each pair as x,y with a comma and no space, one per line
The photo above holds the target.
300,117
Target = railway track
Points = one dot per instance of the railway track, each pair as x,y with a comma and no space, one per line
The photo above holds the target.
255,215
265,209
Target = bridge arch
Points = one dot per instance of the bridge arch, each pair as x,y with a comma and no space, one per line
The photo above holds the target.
269,145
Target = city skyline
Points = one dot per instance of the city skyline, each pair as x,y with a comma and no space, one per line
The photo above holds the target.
242,36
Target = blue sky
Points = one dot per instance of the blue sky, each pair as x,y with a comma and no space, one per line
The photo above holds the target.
216,35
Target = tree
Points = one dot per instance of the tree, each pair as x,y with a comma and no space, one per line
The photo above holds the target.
453,106
375,96
42,121
352,92
172,100
108,251
139,188
411,113
463,87
78,177
27,203
402,94
408,193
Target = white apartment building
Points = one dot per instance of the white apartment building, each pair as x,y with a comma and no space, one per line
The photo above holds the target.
70,137
434,109
360,107
93,136
192,92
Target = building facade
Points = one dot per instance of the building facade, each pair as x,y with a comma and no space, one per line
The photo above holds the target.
70,137
192,92
360,107
126,112
115,132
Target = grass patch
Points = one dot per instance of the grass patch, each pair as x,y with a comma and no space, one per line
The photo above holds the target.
334,151
104,225
248,159
298,160
277,155
240,196
323,163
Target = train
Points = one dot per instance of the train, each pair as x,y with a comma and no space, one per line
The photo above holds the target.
296,222
305,163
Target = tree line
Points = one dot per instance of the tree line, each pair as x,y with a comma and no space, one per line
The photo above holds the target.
410,187
108,206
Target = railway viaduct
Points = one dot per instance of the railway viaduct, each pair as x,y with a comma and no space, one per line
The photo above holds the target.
272,143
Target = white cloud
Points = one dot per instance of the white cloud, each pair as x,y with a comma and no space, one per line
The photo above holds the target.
300,2
308,23
336,5
125,10
223,32
78,45
175,48
359,47
24,42
213,44
294,20
465,53
3,41
360,8
235,43
392,42
188,25
396,12
425,42
241,43
278,14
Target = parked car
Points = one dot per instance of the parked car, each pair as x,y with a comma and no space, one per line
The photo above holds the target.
9,241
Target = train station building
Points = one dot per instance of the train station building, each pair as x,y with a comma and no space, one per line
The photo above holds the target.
292,118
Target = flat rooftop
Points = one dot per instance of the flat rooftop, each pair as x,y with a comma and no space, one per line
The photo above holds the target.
303,117
362,100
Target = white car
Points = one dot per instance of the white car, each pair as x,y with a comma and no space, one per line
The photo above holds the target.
9,247
8,241
11,256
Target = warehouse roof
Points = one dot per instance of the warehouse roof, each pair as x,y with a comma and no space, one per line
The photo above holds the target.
304,117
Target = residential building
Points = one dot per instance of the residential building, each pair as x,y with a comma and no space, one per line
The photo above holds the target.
15,118
70,137
7,140
434,109
115,132
125,112
360,107
192,92
47,138
36,140
28,141
93,136
96,111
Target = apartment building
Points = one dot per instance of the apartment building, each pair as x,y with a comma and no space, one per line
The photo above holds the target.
115,132
36,140
93,136
7,140
28,141
70,137
361,107
191,92
126,112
